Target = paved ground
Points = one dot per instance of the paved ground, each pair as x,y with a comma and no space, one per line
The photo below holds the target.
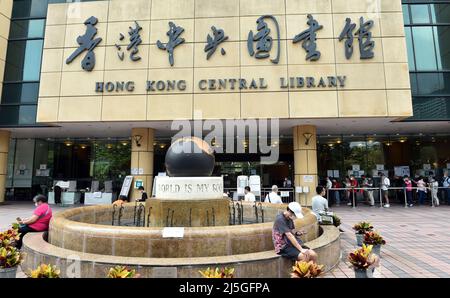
418,238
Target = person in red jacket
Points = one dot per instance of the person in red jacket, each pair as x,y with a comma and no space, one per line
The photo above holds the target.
353,191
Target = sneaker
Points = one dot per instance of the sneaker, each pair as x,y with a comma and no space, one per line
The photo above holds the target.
349,204
410,205
387,206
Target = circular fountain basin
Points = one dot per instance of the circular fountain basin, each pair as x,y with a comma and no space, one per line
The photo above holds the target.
84,233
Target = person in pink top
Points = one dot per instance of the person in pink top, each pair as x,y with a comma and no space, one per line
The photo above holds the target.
38,222
408,188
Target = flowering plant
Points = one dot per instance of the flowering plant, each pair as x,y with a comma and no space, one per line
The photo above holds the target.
373,238
10,257
122,272
362,258
218,273
306,270
45,271
362,227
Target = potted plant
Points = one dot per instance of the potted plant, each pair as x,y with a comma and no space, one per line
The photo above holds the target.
360,229
122,272
374,239
10,259
306,270
218,273
336,220
9,237
45,271
363,261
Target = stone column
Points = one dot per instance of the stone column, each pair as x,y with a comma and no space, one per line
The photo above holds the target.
4,148
305,161
142,158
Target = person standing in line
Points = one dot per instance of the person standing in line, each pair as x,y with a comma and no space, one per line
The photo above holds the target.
421,190
434,187
408,189
353,197
368,183
384,185
347,185
337,194
446,185
287,183
273,197
249,196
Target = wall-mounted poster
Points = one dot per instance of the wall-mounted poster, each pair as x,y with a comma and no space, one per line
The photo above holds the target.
427,167
356,168
336,173
401,171
380,167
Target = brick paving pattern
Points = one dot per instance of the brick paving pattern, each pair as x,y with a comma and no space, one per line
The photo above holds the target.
418,238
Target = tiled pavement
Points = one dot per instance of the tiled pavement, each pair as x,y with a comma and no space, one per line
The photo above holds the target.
418,238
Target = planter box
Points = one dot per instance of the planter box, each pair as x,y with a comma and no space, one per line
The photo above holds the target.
359,239
364,273
8,272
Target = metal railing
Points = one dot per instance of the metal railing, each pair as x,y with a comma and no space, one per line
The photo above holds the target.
263,193
353,191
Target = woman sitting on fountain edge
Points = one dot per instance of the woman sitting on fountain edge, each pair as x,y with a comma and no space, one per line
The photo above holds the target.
285,239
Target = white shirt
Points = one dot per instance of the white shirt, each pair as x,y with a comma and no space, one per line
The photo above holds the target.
385,184
319,204
250,197
329,184
273,198
446,182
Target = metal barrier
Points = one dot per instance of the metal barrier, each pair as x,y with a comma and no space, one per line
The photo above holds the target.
264,192
354,190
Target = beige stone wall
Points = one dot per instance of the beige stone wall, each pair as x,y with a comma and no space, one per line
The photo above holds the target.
5,15
378,87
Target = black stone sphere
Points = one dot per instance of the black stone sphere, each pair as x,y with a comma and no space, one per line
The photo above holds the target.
190,157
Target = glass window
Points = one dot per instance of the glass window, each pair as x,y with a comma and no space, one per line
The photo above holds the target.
414,84
442,44
9,115
27,114
24,60
419,14
20,93
440,13
434,108
29,9
429,83
409,45
424,48
406,14
27,29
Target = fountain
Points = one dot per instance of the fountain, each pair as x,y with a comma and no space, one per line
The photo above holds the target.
216,232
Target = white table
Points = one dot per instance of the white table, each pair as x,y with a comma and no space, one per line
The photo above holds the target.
67,198
94,198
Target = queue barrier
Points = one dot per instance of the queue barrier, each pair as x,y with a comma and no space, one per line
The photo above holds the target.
353,190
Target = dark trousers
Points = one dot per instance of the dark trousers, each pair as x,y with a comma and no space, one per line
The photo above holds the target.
448,195
422,197
409,197
23,231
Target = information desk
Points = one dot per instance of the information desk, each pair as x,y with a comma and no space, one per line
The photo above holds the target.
67,198
98,198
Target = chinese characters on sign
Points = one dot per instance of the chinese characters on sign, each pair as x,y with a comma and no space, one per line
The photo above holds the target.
174,41
263,40
309,38
366,45
87,43
213,43
259,44
135,41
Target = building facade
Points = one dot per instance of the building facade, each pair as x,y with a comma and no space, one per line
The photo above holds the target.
91,88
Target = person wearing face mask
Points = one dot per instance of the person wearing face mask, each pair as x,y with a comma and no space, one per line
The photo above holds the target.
38,222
